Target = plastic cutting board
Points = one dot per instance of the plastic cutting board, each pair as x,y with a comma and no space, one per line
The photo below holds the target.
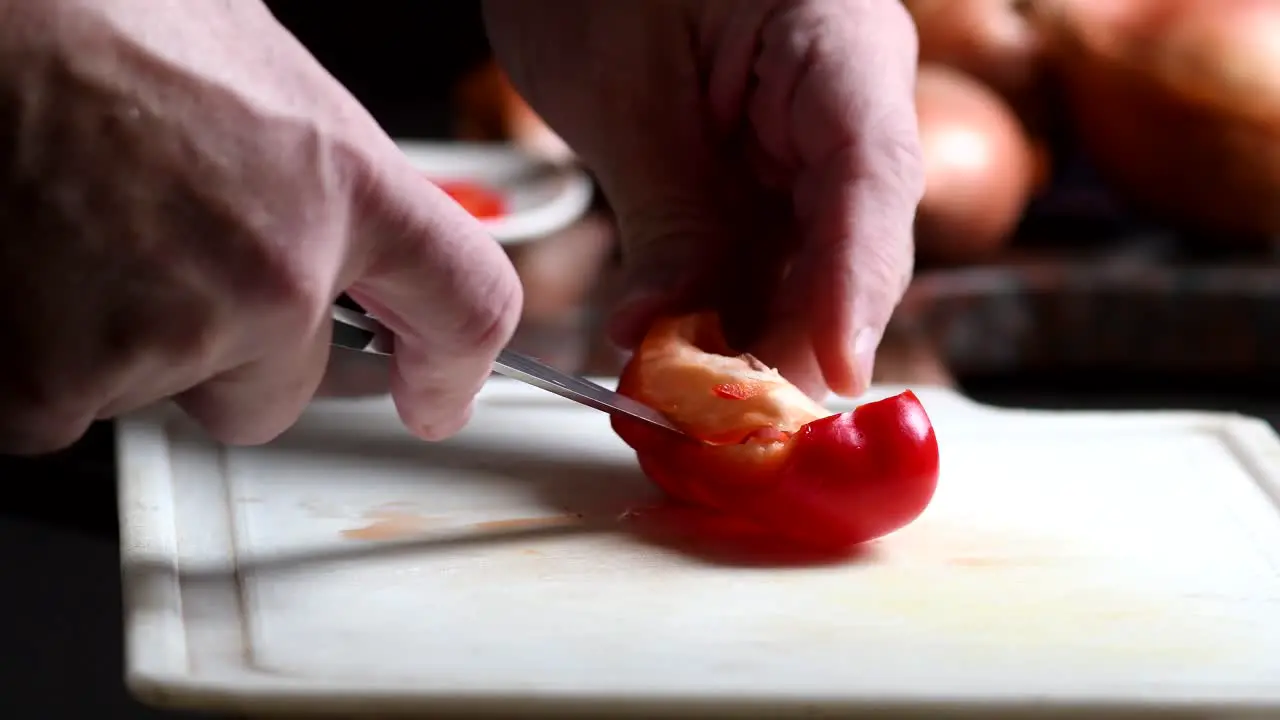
1074,562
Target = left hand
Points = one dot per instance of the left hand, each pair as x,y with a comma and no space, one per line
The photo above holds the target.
761,155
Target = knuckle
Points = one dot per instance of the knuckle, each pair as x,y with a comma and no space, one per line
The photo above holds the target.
182,326
286,280
896,159
230,428
296,321
889,267
489,319
666,235
897,24
886,25
892,266
252,405
29,445
662,220
243,434
40,429
297,286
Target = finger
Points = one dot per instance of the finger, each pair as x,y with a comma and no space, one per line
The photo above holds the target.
30,430
694,240
671,229
789,349
661,268
645,141
431,274
856,269
851,116
154,378
256,402
352,373
46,407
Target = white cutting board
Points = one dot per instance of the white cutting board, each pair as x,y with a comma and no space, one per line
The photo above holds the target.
1087,560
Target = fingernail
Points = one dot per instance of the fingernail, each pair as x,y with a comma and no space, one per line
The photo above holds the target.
445,428
865,343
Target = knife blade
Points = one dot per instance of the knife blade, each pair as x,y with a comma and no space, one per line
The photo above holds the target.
357,331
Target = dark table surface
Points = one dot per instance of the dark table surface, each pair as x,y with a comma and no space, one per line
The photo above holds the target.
60,610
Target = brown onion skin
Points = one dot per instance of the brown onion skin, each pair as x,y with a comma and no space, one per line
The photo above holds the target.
483,104
487,108
980,168
1177,103
990,40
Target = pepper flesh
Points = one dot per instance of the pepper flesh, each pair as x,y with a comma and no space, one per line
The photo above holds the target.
761,449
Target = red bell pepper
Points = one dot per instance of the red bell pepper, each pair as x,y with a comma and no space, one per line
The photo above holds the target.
480,201
762,450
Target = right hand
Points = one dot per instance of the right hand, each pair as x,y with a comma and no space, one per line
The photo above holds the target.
183,193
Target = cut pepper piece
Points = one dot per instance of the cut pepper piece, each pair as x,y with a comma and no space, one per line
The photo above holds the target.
768,452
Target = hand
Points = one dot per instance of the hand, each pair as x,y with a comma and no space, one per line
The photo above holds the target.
183,193
761,156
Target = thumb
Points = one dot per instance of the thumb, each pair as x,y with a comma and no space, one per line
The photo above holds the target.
441,284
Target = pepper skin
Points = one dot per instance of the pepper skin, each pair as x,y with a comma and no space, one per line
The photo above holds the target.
761,449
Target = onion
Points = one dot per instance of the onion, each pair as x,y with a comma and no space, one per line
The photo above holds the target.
990,40
1177,102
488,108
980,168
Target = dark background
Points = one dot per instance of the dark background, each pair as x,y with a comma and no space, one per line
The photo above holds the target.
399,57
60,631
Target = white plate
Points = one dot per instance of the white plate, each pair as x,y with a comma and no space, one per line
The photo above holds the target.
1074,561
542,198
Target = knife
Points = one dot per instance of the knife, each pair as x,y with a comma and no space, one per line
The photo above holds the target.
355,330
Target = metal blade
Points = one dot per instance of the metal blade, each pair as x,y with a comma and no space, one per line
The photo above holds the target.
357,331
580,390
